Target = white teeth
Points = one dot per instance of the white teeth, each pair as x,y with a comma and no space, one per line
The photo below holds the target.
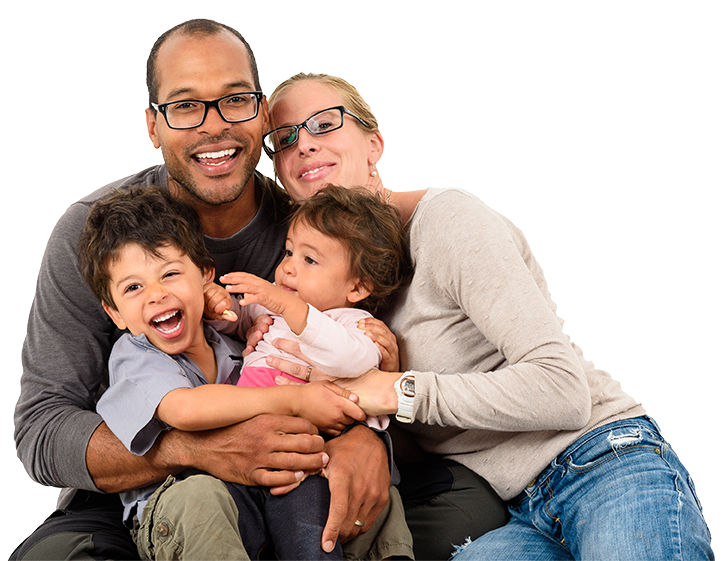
312,171
212,155
167,331
169,315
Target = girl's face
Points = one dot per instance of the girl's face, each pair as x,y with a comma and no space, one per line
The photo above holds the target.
316,267
342,157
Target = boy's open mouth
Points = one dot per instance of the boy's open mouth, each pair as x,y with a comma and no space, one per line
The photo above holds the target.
169,322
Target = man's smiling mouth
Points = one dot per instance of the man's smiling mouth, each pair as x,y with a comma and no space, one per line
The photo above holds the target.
215,158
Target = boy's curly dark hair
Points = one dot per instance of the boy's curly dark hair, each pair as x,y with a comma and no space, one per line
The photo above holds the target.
147,216
370,229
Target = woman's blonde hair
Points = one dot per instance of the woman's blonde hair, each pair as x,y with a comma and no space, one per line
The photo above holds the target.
352,100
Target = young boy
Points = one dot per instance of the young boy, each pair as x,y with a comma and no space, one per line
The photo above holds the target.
143,254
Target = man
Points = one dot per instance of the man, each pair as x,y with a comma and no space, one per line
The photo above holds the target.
210,163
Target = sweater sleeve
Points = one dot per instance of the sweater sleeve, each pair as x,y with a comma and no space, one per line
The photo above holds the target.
480,265
334,344
65,354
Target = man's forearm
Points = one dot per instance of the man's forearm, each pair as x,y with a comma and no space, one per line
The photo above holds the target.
269,450
115,469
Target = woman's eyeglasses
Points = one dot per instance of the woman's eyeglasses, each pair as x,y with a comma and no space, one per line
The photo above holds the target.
319,123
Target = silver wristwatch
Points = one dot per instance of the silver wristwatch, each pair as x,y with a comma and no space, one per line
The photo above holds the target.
405,397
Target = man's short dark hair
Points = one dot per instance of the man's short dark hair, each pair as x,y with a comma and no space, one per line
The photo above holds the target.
147,216
198,28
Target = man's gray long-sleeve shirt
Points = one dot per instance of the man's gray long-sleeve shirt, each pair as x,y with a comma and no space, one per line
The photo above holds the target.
69,336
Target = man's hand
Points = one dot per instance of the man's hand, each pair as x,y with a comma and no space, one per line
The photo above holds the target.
269,450
359,479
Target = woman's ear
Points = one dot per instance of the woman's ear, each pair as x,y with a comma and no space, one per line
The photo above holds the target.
376,147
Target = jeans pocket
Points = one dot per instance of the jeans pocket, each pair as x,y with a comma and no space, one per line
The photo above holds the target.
611,444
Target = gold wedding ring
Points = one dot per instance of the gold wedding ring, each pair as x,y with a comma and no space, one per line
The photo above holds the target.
308,375
358,523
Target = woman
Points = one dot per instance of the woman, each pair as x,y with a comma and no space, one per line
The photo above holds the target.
491,380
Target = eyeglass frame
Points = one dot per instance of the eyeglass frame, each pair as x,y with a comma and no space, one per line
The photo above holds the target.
161,108
341,108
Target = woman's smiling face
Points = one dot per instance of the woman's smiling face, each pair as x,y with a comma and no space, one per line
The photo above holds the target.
343,157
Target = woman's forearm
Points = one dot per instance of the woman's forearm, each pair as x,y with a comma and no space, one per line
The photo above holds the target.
375,389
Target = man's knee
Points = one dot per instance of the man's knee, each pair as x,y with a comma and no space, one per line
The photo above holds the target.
80,533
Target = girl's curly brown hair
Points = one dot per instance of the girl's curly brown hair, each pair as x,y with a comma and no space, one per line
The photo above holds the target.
372,232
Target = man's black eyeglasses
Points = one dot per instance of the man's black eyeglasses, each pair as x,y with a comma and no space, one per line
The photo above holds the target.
191,113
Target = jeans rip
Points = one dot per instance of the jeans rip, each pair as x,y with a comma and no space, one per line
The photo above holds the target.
634,436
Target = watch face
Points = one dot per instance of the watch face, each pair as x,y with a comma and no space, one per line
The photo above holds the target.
408,388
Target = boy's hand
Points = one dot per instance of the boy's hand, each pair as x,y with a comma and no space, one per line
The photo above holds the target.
218,303
329,407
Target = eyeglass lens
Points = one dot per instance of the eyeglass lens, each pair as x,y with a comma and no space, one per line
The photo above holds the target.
233,108
322,122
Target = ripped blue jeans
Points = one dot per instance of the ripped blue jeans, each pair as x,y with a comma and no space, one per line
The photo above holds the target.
618,492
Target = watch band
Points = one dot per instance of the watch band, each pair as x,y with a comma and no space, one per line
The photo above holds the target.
405,389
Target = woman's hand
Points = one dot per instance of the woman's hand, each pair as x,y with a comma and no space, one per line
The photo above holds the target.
300,371
374,390
385,341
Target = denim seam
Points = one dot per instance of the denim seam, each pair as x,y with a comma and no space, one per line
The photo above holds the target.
553,517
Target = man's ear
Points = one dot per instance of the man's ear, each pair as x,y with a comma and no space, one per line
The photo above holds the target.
115,316
265,117
152,127
358,292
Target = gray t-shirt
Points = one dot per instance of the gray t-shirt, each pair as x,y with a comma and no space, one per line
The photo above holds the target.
69,336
